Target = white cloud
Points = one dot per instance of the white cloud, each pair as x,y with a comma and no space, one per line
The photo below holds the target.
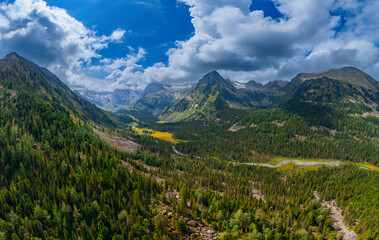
333,53
52,38
231,38
242,45
246,45
117,35
4,23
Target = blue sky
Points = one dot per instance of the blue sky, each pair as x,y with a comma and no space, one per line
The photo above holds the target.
153,25
104,45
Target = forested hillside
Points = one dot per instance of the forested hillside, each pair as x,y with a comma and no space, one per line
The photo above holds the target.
295,129
17,73
59,180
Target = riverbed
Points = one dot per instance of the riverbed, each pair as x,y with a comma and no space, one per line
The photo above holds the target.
299,162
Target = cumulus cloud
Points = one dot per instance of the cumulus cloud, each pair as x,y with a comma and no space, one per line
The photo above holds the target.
311,36
118,35
246,45
52,38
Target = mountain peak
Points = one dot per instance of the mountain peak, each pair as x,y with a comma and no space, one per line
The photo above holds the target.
347,74
254,84
213,78
12,55
353,71
275,84
154,87
214,75
11,58
351,68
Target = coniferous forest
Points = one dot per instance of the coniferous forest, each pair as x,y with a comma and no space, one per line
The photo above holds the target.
61,180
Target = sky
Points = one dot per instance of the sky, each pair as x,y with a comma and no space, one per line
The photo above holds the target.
103,45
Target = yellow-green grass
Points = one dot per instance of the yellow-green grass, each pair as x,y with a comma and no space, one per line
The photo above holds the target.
161,122
294,168
287,167
166,136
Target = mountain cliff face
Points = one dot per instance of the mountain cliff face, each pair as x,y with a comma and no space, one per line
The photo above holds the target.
19,75
157,97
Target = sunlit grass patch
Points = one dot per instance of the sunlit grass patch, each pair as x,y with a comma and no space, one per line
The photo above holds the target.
161,122
165,136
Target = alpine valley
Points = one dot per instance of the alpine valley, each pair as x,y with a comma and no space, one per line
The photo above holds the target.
216,159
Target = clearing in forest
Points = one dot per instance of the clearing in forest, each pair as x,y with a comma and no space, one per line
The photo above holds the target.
118,142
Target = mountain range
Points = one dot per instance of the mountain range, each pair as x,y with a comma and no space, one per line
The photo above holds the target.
211,95
177,102
212,92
